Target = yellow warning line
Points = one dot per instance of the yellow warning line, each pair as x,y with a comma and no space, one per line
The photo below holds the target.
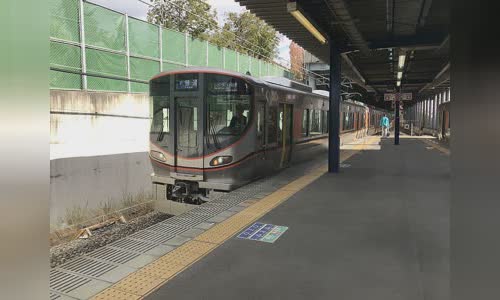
437,146
146,280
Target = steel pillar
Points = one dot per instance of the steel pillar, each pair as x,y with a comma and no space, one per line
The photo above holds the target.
334,107
396,125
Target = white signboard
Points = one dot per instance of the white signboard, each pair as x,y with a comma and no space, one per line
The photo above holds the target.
406,96
397,96
390,97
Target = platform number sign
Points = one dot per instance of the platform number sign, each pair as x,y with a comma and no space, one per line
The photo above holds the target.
262,232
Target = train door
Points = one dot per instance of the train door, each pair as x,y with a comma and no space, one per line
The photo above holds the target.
261,138
285,132
188,139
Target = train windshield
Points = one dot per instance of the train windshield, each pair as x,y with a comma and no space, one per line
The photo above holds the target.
160,111
216,111
228,110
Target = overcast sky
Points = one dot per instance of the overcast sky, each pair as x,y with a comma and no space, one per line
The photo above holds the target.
137,9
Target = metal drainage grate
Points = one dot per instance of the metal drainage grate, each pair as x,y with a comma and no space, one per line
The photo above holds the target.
113,255
88,267
133,245
231,201
64,282
209,211
152,236
187,220
171,229
54,296
223,204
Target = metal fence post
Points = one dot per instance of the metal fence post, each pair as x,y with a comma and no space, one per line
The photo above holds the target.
224,58
82,45
160,42
206,63
186,49
237,61
127,49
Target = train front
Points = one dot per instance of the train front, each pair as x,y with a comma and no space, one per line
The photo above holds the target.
199,133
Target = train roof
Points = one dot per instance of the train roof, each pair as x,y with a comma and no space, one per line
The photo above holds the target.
267,81
212,70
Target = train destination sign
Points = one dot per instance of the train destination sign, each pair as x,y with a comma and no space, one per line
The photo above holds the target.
262,232
397,96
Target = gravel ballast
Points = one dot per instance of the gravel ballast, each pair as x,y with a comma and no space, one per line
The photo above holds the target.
101,237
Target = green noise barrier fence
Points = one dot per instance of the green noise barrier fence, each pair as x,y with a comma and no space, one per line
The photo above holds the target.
95,48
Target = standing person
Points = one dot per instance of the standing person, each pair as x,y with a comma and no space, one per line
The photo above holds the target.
384,123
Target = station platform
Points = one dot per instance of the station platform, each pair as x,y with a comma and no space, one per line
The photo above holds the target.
377,230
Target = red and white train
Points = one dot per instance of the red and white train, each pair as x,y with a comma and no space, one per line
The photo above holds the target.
214,129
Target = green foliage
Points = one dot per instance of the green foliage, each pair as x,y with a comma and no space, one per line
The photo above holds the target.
247,34
195,17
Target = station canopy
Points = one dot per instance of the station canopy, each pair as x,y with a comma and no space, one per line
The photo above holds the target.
373,37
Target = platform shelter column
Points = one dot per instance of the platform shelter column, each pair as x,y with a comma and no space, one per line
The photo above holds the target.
334,120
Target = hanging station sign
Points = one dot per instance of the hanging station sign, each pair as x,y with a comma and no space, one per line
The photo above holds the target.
398,96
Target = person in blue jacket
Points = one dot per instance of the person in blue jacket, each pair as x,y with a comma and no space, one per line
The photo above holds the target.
385,123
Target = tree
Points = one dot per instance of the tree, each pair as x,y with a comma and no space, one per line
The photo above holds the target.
195,17
297,61
248,34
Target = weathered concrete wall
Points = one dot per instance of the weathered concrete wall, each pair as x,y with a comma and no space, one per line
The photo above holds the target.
93,123
98,149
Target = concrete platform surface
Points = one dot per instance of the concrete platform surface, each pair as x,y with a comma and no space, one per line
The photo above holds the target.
377,230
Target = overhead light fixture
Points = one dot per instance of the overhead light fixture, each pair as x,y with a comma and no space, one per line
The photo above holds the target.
401,63
400,75
398,83
293,9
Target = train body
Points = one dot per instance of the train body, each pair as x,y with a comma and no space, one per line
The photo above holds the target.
217,130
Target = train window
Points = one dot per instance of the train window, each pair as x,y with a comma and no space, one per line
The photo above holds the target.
319,117
315,122
160,119
345,120
324,119
305,122
228,110
280,122
348,121
195,118
272,122
261,113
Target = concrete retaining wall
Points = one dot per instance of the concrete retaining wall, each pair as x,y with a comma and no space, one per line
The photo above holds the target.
98,149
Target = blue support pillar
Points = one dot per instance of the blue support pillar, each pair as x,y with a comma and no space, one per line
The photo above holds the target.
334,120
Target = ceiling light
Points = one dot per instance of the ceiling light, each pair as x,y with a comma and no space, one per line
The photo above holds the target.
401,63
400,75
293,9
398,83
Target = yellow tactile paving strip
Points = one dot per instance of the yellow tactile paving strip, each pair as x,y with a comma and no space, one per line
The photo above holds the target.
437,146
144,281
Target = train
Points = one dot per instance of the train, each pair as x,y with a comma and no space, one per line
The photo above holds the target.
217,130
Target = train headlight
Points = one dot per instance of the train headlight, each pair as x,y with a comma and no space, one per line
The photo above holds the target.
221,160
158,155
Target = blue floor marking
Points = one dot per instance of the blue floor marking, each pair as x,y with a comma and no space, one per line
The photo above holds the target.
251,230
262,232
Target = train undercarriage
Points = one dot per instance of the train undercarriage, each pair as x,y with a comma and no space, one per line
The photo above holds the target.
187,192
